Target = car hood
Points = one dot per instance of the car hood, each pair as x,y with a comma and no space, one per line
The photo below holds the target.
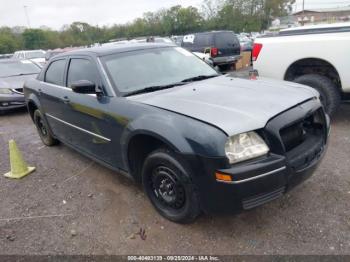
234,105
15,82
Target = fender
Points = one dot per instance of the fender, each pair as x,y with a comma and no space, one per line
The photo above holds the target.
191,137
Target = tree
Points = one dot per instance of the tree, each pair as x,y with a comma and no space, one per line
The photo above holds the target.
9,41
236,15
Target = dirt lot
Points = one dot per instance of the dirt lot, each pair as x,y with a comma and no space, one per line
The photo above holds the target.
72,205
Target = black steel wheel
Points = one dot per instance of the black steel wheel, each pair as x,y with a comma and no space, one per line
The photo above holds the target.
168,185
43,129
167,188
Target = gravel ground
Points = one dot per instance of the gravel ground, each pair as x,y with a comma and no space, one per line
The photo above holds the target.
72,205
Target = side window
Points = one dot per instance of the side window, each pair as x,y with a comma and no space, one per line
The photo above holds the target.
54,74
82,69
203,40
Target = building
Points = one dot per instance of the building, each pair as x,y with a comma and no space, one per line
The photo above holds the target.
326,15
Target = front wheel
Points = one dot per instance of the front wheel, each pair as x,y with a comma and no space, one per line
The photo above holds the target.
329,94
168,185
43,129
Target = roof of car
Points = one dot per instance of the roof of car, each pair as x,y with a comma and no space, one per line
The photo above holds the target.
13,60
319,26
30,51
212,32
117,48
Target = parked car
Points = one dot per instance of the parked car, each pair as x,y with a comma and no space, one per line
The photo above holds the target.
195,139
299,55
151,39
246,43
13,74
4,56
177,39
223,47
51,53
37,56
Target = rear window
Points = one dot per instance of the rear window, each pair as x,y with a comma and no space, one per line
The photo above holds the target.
55,72
202,40
225,39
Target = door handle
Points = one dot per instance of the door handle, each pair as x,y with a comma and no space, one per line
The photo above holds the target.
65,99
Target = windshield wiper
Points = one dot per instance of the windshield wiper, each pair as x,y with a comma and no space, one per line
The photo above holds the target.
199,78
153,89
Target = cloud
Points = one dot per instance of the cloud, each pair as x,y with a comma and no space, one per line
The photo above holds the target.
56,13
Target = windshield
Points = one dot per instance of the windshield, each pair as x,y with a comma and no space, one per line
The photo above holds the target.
132,71
36,54
15,68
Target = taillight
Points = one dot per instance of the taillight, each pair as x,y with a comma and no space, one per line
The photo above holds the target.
256,51
214,51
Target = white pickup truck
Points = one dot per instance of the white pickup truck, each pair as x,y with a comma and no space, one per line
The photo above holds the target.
317,56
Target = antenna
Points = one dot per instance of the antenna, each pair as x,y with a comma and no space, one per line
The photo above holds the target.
27,16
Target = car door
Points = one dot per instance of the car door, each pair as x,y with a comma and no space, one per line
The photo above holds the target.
94,129
53,97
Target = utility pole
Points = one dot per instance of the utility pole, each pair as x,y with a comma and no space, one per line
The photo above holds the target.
303,7
27,16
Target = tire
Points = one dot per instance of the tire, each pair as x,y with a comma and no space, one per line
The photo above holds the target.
43,129
168,185
329,94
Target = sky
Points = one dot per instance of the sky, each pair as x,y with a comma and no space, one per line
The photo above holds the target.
56,13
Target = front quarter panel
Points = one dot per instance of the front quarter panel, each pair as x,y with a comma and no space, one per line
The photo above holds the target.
185,135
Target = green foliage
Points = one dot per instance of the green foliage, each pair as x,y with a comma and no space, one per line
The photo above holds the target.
236,15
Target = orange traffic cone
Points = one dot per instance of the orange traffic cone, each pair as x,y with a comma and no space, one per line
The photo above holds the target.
19,167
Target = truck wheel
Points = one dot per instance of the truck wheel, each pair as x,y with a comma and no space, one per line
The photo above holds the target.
168,185
43,129
329,95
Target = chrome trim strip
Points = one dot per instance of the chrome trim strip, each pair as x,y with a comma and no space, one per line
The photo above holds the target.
17,92
253,178
79,128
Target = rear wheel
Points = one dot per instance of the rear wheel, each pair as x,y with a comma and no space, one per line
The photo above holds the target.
329,94
168,185
43,129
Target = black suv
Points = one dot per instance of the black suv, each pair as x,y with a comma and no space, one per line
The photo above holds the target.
222,46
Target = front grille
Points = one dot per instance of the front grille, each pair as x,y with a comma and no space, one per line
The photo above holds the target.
297,133
18,90
259,200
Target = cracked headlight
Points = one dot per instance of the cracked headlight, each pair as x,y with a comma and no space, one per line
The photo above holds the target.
245,146
5,91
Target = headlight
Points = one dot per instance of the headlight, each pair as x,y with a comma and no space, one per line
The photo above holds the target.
5,91
245,146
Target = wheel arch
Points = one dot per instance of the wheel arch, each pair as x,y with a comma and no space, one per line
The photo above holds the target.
33,103
313,65
139,145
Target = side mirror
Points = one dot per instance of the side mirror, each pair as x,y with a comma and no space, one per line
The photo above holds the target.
84,87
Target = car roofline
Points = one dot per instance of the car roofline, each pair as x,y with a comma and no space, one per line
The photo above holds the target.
115,49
